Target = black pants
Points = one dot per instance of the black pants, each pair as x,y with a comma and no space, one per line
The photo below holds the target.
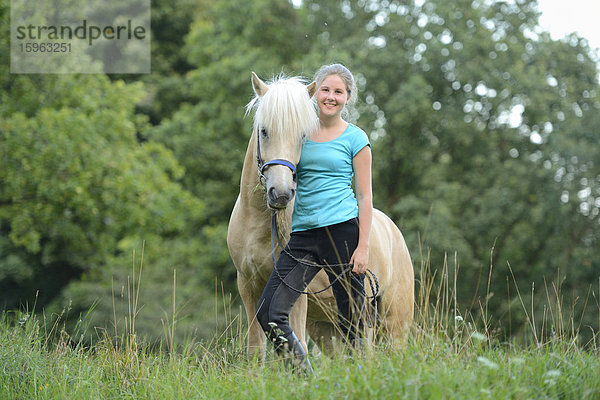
331,248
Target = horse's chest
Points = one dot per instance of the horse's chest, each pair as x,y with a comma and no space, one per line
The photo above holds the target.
257,264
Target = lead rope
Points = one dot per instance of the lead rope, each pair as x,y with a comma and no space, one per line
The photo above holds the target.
348,267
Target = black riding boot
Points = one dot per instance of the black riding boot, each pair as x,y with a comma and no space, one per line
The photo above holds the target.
297,357
289,346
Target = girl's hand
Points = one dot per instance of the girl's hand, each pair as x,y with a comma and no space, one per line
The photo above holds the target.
360,259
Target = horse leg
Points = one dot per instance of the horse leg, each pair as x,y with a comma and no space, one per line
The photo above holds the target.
256,337
323,333
298,320
397,315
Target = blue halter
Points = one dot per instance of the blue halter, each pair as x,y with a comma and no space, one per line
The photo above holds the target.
279,161
262,166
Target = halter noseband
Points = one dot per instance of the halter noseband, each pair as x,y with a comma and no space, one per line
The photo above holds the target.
262,166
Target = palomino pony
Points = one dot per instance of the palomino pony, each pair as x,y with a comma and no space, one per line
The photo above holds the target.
285,115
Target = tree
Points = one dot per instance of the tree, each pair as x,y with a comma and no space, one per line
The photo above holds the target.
78,192
209,138
475,117
482,129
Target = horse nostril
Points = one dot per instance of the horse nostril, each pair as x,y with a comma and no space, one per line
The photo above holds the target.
278,198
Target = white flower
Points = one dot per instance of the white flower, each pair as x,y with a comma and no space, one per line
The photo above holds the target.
517,360
479,336
553,373
487,363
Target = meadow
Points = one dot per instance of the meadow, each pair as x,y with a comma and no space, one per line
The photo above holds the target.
446,356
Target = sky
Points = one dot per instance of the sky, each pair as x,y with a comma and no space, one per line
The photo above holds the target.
561,17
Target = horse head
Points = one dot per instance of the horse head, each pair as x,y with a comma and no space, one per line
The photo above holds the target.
285,116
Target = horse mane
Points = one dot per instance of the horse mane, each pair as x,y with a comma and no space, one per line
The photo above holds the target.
285,110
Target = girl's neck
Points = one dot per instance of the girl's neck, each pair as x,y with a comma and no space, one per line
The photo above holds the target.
330,129
330,124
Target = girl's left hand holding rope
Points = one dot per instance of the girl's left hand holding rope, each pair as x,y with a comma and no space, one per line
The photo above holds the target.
359,260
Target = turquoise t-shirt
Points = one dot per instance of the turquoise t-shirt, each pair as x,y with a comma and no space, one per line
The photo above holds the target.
324,195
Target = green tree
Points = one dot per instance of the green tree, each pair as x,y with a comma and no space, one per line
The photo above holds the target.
473,112
481,128
165,86
209,138
75,180
78,192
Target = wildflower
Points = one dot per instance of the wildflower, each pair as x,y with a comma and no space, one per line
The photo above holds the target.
23,319
487,363
478,336
551,376
458,318
553,373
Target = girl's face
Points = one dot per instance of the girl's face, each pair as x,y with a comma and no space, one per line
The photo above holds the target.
332,96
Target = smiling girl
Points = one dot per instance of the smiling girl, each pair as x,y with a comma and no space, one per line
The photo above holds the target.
331,222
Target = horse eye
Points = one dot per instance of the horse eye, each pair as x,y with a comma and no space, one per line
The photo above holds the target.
263,132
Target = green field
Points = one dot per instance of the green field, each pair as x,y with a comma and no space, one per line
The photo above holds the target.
427,366
445,356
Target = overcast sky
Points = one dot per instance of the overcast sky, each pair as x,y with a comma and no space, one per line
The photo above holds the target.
561,17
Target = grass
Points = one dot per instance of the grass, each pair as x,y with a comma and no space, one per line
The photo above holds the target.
446,356
430,367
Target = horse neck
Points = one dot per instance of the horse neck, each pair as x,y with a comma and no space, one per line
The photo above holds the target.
251,192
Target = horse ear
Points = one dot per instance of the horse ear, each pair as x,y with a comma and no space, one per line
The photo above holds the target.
260,88
312,88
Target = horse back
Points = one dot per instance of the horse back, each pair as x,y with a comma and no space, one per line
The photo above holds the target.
388,254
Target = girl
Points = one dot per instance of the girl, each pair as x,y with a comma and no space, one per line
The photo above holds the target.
330,224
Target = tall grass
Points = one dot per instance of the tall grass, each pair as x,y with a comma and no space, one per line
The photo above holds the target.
448,354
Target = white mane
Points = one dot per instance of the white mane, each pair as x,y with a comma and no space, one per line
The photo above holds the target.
286,111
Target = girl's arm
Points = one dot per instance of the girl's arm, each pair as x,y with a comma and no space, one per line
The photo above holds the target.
364,196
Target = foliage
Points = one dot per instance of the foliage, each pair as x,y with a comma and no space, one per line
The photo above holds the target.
483,131
166,89
481,128
79,191
209,138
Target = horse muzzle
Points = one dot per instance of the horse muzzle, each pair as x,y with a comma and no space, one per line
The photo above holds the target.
280,188
279,200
